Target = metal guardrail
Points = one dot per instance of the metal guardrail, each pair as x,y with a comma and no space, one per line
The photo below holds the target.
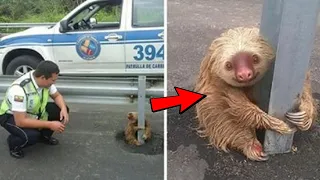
24,25
104,90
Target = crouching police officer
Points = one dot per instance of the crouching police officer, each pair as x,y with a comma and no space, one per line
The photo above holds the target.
26,113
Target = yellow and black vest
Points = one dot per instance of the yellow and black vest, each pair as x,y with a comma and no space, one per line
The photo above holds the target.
36,104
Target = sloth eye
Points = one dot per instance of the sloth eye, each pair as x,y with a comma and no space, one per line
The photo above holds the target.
228,66
256,59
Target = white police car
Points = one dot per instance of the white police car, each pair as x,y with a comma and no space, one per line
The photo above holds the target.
80,44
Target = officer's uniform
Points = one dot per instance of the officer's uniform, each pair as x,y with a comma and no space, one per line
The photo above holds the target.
24,95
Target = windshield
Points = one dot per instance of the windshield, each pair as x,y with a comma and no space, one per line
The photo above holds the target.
148,13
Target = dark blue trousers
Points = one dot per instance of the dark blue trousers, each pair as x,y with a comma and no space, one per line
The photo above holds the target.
23,137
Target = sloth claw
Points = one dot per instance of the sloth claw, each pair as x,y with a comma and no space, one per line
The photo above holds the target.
256,153
263,158
144,137
296,118
299,119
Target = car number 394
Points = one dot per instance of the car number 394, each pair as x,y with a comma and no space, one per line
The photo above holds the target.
148,52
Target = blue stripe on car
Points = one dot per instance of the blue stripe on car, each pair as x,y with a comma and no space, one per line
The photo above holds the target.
128,38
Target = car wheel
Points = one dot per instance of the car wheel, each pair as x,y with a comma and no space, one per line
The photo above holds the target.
22,64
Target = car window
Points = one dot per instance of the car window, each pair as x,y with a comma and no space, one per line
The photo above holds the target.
148,13
84,13
109,15
102,15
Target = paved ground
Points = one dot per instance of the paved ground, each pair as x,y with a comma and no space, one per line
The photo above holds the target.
192,25
90,148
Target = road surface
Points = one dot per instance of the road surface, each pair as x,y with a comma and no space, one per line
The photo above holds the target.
91,148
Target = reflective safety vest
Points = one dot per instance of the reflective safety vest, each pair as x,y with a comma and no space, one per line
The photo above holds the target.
36,106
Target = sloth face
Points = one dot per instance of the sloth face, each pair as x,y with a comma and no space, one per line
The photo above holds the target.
241,57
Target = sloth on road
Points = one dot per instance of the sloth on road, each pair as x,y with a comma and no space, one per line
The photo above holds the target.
228,116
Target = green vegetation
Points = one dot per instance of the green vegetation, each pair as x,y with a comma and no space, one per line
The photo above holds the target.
33,11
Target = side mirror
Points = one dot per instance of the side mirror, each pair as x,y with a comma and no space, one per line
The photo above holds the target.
63,26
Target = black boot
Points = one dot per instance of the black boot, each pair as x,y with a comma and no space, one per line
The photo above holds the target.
50,140
17,154
14,151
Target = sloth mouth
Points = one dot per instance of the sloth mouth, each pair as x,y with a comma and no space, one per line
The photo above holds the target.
252,79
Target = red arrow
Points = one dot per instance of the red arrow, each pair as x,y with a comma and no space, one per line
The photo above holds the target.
185,100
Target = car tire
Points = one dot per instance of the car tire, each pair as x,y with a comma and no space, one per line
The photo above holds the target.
27,60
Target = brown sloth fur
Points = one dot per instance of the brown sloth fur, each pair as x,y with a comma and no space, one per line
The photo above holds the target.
228,116
132,129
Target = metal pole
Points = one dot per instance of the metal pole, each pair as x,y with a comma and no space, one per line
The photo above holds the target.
141,107
289,25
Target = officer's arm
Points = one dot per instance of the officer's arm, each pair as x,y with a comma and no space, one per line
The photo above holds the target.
23,121
18,101
57,97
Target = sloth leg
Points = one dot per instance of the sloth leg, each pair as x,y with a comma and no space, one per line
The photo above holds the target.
147,134
130,136
248,144
134,142
307,111
247,114
230,135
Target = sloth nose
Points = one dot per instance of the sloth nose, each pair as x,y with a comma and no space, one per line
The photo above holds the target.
244,75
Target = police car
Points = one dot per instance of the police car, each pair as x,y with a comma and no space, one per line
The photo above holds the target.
80,44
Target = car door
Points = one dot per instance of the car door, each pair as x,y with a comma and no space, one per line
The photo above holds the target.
144,37
94,44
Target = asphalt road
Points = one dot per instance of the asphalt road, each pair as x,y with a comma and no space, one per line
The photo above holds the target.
90,148
192,25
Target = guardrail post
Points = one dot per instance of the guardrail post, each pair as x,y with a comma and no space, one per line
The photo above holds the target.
289,25
141,107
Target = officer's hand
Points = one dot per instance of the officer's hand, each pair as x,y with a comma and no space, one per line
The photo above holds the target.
57,126
64,116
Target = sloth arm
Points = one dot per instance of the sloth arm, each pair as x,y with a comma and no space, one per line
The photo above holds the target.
247,114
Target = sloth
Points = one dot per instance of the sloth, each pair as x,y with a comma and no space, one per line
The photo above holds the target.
132,129
229,116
